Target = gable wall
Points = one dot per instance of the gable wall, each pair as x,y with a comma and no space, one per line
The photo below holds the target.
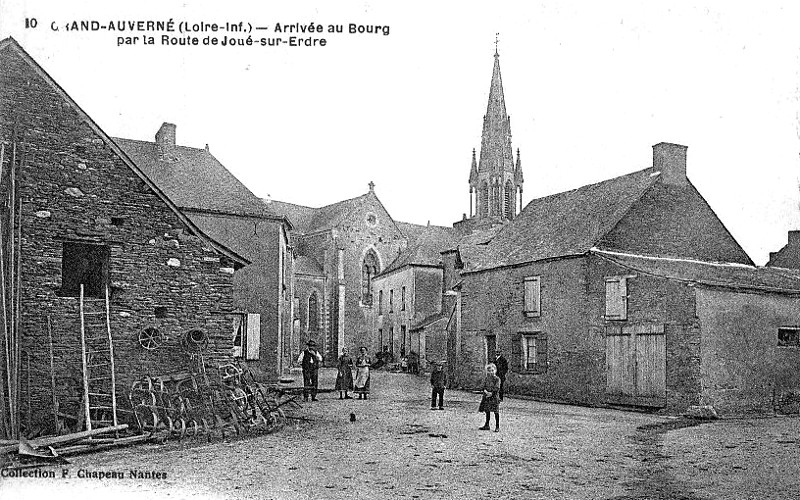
675,221
196,294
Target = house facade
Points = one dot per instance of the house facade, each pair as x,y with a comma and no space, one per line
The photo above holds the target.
557,291
79,213
230,213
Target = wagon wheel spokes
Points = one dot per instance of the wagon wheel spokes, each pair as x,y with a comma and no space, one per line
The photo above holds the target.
151,338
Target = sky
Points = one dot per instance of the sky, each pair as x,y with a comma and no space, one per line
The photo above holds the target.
589,86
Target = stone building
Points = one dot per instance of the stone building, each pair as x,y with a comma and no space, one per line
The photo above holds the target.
85,214
341,248
226,210
789,255
613,293
408,291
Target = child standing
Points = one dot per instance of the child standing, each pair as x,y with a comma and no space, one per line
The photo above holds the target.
438,383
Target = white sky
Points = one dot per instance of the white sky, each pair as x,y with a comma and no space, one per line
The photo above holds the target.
590,87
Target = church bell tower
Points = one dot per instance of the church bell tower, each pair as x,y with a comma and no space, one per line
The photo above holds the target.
495,178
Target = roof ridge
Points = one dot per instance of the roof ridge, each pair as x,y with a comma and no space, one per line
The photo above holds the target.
154,143
118,151
676,259
288,203
595,184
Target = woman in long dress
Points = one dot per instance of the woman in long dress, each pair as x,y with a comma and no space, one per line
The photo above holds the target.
344,379
362,374
490,402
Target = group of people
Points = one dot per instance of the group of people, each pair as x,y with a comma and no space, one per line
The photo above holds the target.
492,392
310,361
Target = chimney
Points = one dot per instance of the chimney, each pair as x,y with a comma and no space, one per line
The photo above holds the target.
794,238
165,138
670,160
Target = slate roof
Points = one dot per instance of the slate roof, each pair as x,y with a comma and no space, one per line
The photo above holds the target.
567,223
308,266
299,215
473,246
715,274
239,234
425,249
330,216
311,220
195,179
11,44
412,231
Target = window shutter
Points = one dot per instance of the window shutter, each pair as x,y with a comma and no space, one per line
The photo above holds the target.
623,298
517,361
613,302
541,355
533,299
253,336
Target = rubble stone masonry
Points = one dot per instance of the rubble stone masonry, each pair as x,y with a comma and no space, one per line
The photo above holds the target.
75,188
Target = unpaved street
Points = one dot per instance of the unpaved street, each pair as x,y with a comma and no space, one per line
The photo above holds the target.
398,448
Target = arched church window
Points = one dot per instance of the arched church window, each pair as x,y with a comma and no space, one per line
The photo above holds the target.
484,199
368,271
509,200
496,200
313,309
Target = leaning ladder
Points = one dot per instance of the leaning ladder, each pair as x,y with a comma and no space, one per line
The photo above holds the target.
99,383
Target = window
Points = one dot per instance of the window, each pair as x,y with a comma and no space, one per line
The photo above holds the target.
404,340
84,264
238,334
616,298
403,299
533,298
380,302
368,271
380,338
484,196
312,324
509,200
391,300
391,340
529,352
789,337
247,336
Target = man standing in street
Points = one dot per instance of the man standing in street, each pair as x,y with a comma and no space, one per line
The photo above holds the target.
502,368
310,360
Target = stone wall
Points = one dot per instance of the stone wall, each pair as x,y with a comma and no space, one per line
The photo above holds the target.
74,188
744,369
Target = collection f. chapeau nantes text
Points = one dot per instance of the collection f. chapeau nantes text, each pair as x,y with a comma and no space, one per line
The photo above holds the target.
230,33
65,473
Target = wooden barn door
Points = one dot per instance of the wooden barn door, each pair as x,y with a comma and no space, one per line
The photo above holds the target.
636,365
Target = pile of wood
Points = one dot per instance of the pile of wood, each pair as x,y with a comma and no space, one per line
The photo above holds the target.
54,447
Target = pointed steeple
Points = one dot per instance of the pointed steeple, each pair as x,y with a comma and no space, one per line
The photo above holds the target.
496,153
473,172
518,179
495,181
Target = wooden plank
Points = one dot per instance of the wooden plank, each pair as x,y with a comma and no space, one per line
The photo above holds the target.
66,438
620,365
651,366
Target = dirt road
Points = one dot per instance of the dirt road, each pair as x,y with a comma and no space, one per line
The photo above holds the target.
398,448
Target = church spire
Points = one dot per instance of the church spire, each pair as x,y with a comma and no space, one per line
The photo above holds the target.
495,180
496,153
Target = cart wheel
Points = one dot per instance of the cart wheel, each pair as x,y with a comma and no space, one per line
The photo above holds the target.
168,424
182,423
